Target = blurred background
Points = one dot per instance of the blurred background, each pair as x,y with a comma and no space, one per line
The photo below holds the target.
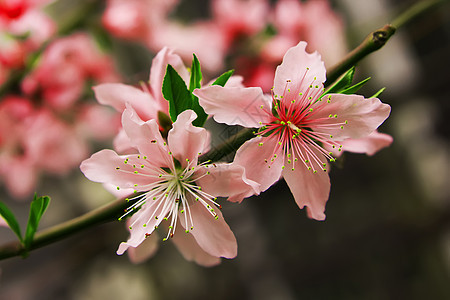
386,235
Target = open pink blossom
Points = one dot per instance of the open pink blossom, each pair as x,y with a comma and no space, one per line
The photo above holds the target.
173,186
297,127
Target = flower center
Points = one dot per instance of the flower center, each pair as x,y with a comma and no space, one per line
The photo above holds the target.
300,133
169,196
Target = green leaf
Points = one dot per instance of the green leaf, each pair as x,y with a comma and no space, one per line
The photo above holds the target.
196,75
175,91
344,82
222,79
37,209
10,220
354,88
378,93
201,115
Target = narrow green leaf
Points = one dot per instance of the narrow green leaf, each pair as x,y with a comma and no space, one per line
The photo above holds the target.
344,82
354,88
10,220
175,91
378,93
222,79
37,208
201,115
196,75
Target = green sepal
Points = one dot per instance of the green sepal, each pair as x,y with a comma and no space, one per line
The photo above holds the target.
180,98
354,88
6,213
196,75
37,208
378,93
223,79
195,82
175,91
344,82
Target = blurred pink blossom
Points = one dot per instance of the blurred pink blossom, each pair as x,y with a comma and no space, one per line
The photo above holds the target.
24,33
312,21
65,67
237,18
174,187
299,130
31,141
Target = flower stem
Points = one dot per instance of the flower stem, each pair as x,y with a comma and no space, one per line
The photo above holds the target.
109,212
229,146
378,38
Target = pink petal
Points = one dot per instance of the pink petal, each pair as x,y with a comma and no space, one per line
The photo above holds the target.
187,141
302,69
213,236
142,224
362,116
191,251
247,107
253,158
228,180
309,189
145,250
370,144
158,71
145,136
122,143
101,167
118,94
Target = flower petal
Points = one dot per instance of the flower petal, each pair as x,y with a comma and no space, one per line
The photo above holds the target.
256,160
145,136
309,189
158,71
145,250
247,107
191,251
142,224
354,116
302,69
102,167
187,141
118,94
122,143
370,144
228,180
213,236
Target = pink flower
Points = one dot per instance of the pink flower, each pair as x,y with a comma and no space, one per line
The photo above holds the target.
146,101
297,127
174,187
